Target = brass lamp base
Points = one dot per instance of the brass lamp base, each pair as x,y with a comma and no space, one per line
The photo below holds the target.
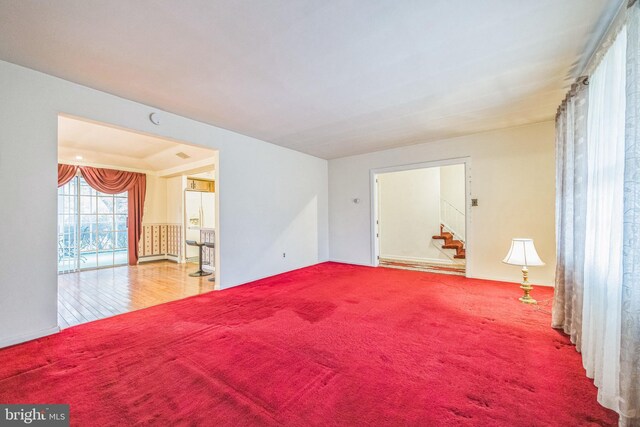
526,287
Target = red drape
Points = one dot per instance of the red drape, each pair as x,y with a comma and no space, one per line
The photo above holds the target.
66,173
112,181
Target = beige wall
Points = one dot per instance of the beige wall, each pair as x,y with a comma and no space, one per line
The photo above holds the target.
155,203
452,185
453,198
512,176
409,214
174,200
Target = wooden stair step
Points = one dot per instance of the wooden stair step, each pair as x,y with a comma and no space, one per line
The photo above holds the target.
450,243
455,244
443,236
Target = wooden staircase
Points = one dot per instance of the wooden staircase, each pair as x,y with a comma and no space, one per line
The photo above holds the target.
451,243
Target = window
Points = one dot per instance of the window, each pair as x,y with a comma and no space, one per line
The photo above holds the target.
92,227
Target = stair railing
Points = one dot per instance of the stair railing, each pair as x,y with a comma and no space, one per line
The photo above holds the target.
452,219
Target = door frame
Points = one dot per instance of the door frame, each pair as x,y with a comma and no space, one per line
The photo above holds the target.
375,214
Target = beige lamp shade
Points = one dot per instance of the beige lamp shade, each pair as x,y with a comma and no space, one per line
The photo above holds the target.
523,253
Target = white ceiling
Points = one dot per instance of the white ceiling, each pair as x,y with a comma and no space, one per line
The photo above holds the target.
99,144
330,78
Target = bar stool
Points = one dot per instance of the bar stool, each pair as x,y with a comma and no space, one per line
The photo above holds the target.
200,271
211,245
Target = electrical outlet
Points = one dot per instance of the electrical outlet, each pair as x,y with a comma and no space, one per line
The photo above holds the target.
284,254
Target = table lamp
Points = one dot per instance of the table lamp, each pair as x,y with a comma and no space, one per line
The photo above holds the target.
523,253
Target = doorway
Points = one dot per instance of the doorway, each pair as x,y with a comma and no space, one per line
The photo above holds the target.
102,271
420,217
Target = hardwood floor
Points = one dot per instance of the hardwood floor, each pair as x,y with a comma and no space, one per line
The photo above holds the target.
96,294
454,269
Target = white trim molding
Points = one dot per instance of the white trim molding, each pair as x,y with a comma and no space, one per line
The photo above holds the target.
420,260
18,339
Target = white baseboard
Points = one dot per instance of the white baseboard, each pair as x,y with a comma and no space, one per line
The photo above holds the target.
416,259
349,262
152,258
510,280
17,339
491,277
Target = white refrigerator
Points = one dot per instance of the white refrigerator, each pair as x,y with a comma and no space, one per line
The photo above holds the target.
199,215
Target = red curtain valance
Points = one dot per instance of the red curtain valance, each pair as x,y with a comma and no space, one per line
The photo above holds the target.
66,173
112,181
109,181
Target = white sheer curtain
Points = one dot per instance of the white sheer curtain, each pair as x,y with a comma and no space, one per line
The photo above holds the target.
603,240
571,208
597,295
630,321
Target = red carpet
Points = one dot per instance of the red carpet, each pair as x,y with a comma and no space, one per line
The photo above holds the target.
332,344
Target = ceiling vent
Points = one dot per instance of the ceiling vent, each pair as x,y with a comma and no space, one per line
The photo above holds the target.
183,155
